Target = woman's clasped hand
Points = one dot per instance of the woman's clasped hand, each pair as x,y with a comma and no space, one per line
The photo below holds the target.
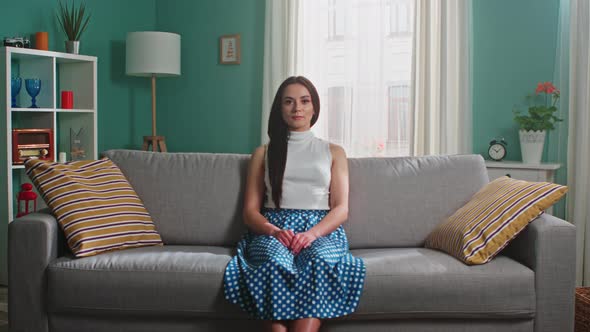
294,242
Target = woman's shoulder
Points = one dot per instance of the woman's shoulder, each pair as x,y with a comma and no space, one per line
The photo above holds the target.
259,152
337,150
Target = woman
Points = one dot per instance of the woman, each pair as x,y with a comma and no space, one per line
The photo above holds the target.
293,266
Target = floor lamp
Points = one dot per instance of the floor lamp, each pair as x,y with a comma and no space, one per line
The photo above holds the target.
153,54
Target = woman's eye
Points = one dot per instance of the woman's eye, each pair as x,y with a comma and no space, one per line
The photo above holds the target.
305,101
288,102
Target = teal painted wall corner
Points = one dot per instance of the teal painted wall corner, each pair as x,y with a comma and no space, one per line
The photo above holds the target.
514,49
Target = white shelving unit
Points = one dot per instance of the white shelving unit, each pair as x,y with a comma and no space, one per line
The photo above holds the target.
58,72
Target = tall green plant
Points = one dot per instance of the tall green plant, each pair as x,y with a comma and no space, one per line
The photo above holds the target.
73,20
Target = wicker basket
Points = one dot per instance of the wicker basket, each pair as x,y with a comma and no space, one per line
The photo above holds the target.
582,309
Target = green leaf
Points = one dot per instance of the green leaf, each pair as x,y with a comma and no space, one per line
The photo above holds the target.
72,20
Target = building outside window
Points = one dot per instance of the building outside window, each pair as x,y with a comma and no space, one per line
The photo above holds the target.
358,54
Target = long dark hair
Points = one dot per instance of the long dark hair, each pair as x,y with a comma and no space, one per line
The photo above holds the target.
278,132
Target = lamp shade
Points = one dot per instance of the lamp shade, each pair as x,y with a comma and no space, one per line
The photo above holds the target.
152,53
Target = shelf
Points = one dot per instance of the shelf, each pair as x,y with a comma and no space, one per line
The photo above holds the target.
29,53
69,110
41,110
521,165
33,110
58,72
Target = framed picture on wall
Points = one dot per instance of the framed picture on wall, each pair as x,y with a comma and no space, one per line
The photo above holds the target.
229,49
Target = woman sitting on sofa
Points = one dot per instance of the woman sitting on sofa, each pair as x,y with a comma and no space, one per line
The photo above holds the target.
293,267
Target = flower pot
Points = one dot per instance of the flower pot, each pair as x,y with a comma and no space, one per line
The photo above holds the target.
531,145
73,46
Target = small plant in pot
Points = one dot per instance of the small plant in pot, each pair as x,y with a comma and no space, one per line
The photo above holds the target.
535,124
73,22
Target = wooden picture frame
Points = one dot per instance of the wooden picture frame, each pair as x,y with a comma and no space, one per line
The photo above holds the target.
229,50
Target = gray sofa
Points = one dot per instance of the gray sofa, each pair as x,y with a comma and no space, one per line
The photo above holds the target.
195,200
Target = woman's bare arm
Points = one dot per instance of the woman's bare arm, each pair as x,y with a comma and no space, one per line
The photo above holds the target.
253,197
338,203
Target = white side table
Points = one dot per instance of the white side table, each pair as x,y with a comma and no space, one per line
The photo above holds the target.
544,172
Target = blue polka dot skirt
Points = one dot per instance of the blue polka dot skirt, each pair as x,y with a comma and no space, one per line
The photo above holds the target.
269,282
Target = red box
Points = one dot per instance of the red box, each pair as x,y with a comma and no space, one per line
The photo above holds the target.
67,99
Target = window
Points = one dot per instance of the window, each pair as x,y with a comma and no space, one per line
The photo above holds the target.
339,110
400,12
352,51
337,19
398,126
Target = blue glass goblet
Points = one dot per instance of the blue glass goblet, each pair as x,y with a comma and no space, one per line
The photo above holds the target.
15,85
33,86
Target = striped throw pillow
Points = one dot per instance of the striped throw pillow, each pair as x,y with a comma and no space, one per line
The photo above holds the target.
495,215
94,204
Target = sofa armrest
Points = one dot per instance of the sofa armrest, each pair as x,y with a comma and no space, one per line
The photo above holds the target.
548,247
33,242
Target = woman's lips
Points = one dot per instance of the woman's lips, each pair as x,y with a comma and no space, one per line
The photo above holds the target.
297,117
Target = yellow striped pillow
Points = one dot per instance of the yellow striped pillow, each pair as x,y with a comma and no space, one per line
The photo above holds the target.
493,217
94,204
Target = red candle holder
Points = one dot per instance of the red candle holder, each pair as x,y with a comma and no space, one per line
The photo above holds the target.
67,99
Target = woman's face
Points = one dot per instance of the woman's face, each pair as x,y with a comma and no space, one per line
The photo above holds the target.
296,107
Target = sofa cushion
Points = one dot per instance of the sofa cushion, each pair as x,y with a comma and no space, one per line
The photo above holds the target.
188,281
394,202
495,215
419,282
165,280
95,205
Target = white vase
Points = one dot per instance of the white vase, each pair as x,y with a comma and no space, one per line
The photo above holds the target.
531,145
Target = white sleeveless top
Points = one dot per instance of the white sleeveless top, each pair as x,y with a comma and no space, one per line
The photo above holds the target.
306,182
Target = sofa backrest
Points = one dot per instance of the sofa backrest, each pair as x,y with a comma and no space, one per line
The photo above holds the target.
397,202
197,198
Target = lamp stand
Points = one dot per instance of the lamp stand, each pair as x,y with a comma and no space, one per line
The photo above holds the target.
154,141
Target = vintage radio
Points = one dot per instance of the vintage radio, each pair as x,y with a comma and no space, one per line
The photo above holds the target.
32,143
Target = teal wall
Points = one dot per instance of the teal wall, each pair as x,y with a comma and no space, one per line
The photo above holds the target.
513,49
122,100
216,108
212,107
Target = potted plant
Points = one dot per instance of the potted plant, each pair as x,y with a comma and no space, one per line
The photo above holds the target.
535,124
73,22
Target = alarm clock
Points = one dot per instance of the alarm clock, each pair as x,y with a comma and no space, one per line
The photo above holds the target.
497,149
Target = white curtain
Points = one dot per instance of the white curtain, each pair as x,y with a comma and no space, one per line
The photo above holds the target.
372,76
281,51
579,136
358,54
441,97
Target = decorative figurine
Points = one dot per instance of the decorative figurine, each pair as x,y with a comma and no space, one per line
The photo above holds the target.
26,194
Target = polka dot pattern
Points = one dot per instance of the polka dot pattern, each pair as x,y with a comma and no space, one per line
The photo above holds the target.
269,282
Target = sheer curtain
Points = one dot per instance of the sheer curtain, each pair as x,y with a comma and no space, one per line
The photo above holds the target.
579,136
358,54
386,89
441,94
281,51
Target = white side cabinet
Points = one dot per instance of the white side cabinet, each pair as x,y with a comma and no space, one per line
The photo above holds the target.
57,72
544,172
